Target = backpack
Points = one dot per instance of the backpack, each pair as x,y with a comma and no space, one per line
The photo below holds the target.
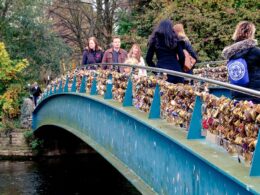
238,72
189,61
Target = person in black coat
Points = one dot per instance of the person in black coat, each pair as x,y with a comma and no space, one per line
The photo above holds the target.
179,30
92,54
36,92
165,44
245,47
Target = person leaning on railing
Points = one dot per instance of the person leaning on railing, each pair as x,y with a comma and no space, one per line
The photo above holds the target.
245,47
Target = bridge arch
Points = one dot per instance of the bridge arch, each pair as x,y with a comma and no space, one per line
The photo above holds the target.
55,140
152,154
51,113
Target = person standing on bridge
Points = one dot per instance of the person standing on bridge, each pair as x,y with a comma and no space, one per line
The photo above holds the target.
165,44
36,92
179,30
115,54
245,48
92,54
135,52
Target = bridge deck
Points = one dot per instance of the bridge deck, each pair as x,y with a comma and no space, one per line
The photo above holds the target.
214,155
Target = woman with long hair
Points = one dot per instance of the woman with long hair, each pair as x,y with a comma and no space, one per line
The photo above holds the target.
179,30
192,58
245,47
135,52
165,44
92,54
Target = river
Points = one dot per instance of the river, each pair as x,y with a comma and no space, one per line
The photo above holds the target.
88,174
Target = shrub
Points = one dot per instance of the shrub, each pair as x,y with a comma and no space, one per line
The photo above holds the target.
35,143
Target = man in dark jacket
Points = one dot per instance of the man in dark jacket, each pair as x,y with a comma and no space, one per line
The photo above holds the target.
115,54
245,47
36,92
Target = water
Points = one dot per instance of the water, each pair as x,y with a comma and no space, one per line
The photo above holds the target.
75,175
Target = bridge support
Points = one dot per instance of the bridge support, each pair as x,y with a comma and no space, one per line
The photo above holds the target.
155,111
255,167
60,87
194,131
83,85
93,90
55,89
74,84
66,86
109,86
128,99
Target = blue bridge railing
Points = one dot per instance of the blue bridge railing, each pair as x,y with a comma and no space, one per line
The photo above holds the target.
156,92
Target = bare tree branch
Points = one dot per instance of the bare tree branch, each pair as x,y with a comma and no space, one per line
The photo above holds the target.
75,21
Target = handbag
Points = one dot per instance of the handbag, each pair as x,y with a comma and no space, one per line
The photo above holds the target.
189,61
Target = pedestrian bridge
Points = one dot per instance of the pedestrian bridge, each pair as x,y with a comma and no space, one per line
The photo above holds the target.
155,156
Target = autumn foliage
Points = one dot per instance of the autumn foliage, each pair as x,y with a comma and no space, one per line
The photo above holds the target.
10,83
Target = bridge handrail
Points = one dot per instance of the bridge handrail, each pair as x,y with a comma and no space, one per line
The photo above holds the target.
232,87
195,127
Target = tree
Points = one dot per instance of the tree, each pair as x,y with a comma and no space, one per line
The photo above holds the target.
74,20
209,24
10,83
27,33
77,20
